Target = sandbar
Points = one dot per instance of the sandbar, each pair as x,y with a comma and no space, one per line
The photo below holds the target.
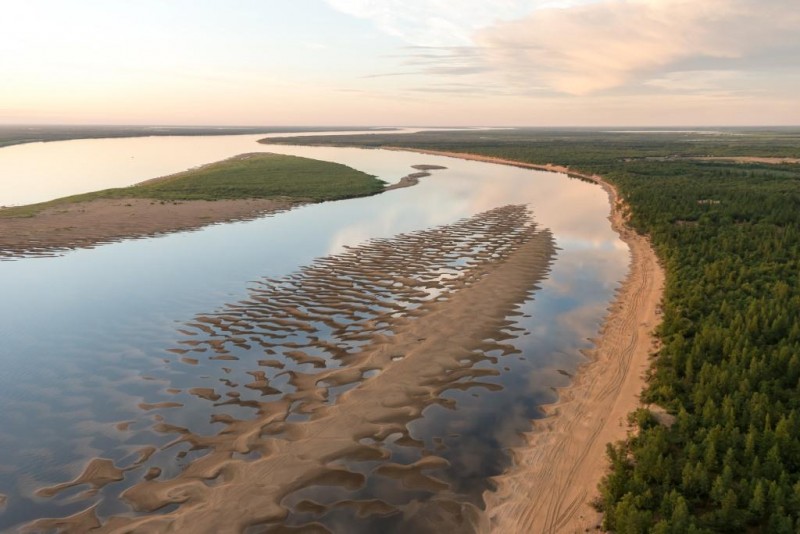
398,360
555,476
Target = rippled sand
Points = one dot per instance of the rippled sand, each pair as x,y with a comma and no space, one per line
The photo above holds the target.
555,476
339,358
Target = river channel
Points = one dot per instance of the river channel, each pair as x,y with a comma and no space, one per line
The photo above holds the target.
137,358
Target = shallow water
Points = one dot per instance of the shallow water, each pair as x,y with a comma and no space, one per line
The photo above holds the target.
87,335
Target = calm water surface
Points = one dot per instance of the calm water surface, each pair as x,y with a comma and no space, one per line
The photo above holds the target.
86,335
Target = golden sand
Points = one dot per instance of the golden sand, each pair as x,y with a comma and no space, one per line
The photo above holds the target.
399,336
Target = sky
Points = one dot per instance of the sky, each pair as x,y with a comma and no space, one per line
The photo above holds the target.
401,62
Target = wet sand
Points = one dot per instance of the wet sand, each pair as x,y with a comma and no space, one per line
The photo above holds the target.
368,340
413,178
556,475
88,224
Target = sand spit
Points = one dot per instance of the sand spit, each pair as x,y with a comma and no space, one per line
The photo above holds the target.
96,222
413,178
500,161
408,180
556,475
358,345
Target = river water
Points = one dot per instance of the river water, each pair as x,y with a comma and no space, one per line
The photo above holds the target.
92,338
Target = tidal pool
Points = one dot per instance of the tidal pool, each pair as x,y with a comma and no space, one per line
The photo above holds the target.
96,364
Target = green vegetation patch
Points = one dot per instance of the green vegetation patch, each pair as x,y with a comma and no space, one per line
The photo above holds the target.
250,176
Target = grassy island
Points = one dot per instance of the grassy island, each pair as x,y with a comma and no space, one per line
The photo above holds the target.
248,176
240,188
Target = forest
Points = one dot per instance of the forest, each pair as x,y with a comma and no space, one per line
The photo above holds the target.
728,368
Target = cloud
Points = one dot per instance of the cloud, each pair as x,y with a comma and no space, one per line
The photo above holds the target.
584,49
696,81
434,22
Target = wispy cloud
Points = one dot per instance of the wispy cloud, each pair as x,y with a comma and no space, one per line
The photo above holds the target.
435,22
585,47
697,81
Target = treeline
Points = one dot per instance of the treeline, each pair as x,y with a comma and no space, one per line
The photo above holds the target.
729,368
730,365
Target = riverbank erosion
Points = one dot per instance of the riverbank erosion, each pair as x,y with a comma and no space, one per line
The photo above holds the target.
555,477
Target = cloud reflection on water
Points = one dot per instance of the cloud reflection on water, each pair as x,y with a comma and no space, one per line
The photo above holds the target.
62,390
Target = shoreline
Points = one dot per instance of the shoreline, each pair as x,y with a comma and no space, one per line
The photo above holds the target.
555,476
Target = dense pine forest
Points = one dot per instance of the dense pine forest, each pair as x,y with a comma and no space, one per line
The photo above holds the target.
728,234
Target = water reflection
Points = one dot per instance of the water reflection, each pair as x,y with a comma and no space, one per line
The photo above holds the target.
570,206
86,335
350,323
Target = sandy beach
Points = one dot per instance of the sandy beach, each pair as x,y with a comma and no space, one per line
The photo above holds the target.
556,475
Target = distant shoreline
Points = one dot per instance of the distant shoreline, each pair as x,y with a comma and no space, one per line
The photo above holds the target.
12,135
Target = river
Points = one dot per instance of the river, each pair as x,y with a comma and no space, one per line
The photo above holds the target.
94,340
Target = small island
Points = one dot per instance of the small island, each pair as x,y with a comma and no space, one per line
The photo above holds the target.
238,188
